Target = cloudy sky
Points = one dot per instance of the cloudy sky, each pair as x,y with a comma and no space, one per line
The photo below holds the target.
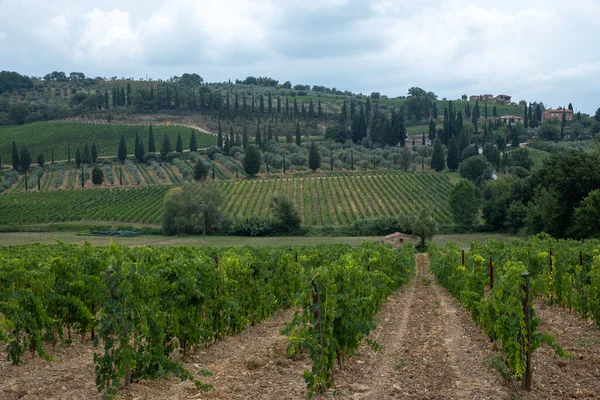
542,50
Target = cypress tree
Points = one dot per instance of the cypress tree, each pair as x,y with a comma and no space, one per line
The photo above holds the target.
446,128
459,122
563,123
514,137
468,110
261,107
295,108
15,157
139,149
352,109
128,94
476,111
319,109
106,99
258,137
311,110
270,134
278,105
298,137
269,103
52,154
166,147
525,117
231,136
193,143
570,107
77,157
423,139
434,111
86,157
453,154
69,153
122,155
432,129
485,110
179,144
314,158
244,137
287,108
136,150
94,153
495,112
220,137
177,98
538,114
530,116
352,159
437,157
151,146
344,112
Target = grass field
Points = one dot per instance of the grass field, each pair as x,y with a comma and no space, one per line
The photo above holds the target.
10,239
57,137
332,199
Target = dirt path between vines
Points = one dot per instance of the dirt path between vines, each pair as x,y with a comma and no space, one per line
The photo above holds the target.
431,350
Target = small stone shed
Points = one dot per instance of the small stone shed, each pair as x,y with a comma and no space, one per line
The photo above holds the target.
397,239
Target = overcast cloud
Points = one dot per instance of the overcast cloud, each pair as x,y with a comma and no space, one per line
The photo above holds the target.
533,50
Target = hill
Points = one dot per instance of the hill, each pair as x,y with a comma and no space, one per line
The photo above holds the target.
60,137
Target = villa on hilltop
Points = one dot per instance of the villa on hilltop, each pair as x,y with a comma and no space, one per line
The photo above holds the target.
557,113
500,99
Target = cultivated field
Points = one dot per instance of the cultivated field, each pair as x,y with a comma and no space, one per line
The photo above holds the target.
58,137
336,199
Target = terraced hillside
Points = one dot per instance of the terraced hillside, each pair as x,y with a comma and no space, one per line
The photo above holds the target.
336,199
58,137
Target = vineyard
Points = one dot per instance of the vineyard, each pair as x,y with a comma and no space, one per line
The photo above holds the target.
566,273
336,199
58,138
142,305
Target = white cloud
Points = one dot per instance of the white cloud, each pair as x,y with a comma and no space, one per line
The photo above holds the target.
535,50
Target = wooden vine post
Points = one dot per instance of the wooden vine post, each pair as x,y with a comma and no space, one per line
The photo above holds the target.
462,257
491,272
316,306
527,312
109,274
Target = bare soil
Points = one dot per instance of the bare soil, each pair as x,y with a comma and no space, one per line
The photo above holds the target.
431,349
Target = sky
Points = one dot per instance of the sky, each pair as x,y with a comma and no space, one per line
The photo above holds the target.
531,50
